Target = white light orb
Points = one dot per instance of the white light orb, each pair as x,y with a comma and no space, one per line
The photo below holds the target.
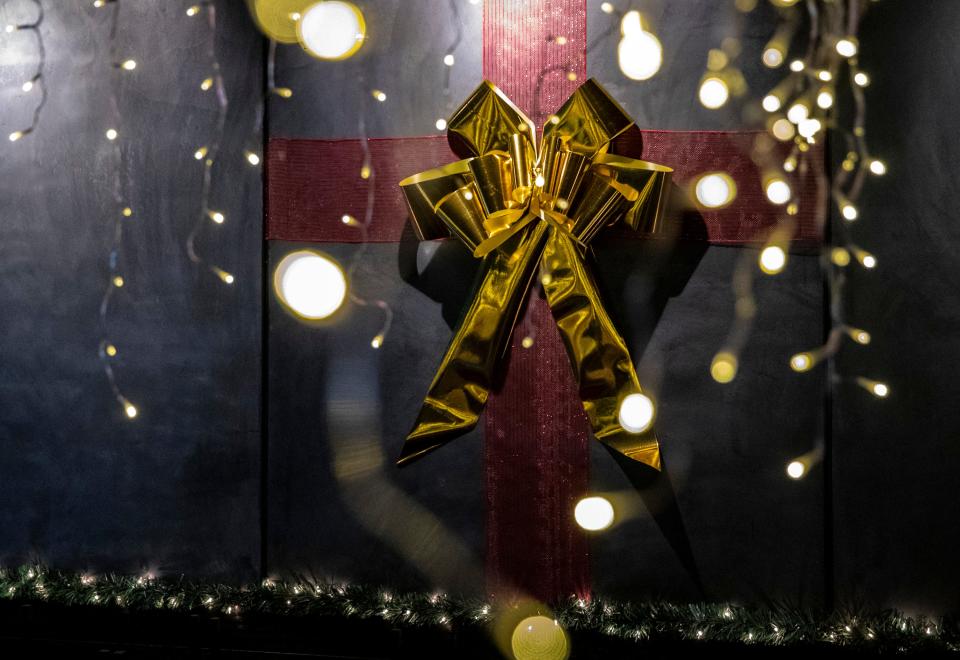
332,30
772,259
310,284
772,57
713,93
639,53
771,102
778,191
878,167
809,127
869,261
880,390
847,47
798,112
636,413
539,638
441,124
796,470
715,189
594,513
825,99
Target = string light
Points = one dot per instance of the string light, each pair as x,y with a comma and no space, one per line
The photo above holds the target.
772,259
252,158
636,413
848,46
771,102
778,190
874,387
714,92
715,189
209,152
111,134
724,366
128,65
878,167
594,513
310,284
332,30
639,52
37,78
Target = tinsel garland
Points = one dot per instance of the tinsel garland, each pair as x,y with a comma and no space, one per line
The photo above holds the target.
660,621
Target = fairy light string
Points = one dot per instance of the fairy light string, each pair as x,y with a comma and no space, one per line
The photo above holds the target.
121,211
36,82
208,153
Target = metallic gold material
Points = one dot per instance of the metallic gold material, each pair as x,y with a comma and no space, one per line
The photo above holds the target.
526,214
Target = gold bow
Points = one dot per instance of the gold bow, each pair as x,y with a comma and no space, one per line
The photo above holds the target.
517,209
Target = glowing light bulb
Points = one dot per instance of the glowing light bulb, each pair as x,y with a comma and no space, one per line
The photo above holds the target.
771,103
878,167
527,342
723,368
310,284
606,7
110,350
790,164
639,53
200,153
594,513
849,211
129,409
861,79
715,189
118,281
193,11
441,124
111,134
773,57
380,96
783,129
847,47
825,99
216,216
778,191
636,413
226,277
128,65
825,75
840,256
798,112
713,93
127,212
880,390
808,128
349,220
802,362
252,158
9,28
283,92
97,4
27,86
539,638
377,341
796,470
448,59
859,336
16,135
797,66
206,84
772,259
332,30
539,181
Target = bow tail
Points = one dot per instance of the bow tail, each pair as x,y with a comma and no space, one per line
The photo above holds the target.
465,377
601,362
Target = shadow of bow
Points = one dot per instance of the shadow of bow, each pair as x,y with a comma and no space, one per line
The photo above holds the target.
636,276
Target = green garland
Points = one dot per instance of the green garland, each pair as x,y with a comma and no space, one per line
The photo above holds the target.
647,621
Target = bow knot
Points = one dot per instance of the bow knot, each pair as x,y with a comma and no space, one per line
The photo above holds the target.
518,207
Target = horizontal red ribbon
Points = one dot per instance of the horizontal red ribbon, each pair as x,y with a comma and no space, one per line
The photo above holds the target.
312,184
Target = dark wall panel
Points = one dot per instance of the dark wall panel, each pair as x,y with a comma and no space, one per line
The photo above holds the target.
176,489
897,459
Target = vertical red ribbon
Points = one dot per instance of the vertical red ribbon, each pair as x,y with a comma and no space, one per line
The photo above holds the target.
537,458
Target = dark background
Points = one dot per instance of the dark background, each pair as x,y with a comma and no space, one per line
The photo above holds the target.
180,489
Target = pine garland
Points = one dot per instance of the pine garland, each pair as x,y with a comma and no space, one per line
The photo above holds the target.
657,621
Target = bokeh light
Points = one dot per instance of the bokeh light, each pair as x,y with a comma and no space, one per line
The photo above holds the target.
539,638
332,30
310,284
639,53
636,413
715,189
594,513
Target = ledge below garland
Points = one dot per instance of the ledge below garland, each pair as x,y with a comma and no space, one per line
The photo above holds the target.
637,624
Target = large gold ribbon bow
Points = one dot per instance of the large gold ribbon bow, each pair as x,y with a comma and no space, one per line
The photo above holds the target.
516,209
